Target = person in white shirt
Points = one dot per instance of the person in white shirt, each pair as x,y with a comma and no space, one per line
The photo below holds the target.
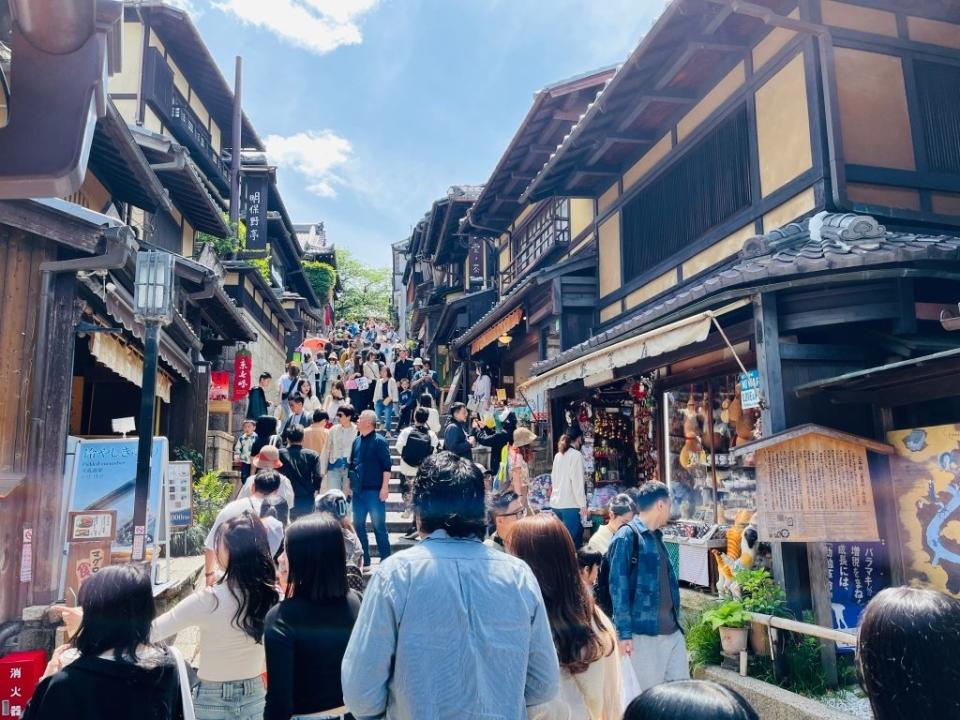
230,616
386,396
311,403
481,390
433,421
335,458
569,499
621,510
268,459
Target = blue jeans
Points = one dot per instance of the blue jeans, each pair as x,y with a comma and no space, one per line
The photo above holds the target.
570,517
368,502
385,415
237,700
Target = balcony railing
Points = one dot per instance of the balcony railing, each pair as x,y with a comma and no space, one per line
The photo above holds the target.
547,229
177,115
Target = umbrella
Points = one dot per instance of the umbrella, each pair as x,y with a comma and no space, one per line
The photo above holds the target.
316,345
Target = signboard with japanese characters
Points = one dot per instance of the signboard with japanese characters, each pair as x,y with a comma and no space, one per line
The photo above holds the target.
20,673
256,190
91,525
814,487
750,389
242,375
84,559
856,572
476,260
179,499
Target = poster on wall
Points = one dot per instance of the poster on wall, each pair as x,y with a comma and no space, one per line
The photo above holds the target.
104,477
926,477
219,385
179,499
856,572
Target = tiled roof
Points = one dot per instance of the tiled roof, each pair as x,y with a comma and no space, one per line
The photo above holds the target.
821,244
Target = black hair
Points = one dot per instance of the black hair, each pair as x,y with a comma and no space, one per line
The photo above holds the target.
905,654
455,408
587,558
649,493
421,416
276,507
426,400
294,434
296,398
320,416
621,504
266,376
499,502
317,558
267,482
387,370
250,575
118,610
566,441
347,409
448,494
690,700
266,427
303,380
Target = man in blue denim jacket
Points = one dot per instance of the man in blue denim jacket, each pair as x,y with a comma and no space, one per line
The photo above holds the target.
645,593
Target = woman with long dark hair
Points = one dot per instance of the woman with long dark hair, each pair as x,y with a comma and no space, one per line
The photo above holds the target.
266,429
311,402
906,654
307,634
584,637
690,700
230,615
110,670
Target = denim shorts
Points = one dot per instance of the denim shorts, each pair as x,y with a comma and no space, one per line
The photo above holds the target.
234,700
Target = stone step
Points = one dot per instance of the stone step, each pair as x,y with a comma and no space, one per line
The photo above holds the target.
395,522
397,543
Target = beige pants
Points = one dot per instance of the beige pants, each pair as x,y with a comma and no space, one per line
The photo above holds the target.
659,658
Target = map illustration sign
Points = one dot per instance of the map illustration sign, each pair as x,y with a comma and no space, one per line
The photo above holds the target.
926,474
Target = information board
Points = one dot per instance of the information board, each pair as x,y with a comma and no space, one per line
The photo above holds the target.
750,389
814,488
856,572
104,478
179,498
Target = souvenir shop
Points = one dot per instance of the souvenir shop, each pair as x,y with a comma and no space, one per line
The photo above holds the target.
678,423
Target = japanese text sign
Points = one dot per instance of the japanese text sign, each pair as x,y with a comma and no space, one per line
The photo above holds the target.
242,375
256,191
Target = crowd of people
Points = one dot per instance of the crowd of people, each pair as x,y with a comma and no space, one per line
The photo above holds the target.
499,611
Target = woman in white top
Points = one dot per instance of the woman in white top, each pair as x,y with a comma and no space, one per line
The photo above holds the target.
569,499
385,398
310,401
433,422
481,390
335,458
371,373
335,398
230,616
584,637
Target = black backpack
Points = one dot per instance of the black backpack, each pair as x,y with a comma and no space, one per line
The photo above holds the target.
418,447
601,591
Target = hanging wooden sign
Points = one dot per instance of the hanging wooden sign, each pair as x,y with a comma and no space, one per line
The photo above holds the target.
813,485
242,375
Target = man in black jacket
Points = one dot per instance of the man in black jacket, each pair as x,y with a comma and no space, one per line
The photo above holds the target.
495,439
302,468
455,438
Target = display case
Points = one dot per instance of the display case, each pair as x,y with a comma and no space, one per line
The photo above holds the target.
703,422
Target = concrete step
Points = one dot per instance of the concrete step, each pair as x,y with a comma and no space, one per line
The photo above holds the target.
397,543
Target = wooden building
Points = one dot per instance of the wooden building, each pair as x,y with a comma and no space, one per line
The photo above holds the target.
776,188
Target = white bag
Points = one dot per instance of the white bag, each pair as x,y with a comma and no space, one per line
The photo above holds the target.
186,695
629,686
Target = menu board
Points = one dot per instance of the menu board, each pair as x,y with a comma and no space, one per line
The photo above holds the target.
815,488
179,498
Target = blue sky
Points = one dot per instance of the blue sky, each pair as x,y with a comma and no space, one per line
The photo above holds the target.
373,108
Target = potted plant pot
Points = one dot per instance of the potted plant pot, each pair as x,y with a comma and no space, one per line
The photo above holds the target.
733,640
759,639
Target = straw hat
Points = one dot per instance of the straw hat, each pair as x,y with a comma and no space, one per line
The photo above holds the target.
523,437
268,459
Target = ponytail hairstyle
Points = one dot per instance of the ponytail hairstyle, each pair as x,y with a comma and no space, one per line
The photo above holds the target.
250,574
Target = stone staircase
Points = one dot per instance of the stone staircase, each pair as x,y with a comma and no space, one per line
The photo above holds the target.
397,525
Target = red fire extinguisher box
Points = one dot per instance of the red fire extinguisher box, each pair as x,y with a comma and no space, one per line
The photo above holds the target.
19,674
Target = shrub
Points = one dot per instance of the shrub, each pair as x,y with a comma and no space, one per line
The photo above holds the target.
185,453
322,278
760,593
729,614
703,644
210,494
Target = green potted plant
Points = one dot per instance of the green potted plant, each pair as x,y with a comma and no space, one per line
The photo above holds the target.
731,621
760,593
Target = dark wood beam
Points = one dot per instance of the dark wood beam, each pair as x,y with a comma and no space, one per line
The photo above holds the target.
542,149
598,174
45,222
647,97
799,351
610,140
567,115
717,20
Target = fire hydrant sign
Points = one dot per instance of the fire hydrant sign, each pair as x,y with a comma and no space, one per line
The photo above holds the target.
814,486
19,675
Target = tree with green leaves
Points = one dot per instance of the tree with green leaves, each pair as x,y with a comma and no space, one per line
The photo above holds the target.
367,290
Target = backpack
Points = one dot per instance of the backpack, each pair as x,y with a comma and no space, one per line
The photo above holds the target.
601,591
418,447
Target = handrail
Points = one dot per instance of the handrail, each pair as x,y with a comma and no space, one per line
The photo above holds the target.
818,631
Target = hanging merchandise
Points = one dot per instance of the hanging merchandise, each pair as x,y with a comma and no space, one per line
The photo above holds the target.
644,414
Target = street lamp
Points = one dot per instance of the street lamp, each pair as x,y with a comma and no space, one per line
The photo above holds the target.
153,306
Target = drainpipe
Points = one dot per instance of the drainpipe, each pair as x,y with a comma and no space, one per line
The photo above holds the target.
121,244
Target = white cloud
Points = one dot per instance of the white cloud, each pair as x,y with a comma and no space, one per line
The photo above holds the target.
316,155
316,25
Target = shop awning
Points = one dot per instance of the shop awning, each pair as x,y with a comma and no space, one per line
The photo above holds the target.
499,328
665,339
918,379
126,362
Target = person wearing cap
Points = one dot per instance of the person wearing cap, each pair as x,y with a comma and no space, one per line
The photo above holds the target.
330,373
569,499
268,459
621,511
335,503
519,455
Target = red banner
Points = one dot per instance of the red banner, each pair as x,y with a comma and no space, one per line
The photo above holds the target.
242,375
219,385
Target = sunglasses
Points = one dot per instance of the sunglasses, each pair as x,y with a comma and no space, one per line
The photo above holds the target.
517,514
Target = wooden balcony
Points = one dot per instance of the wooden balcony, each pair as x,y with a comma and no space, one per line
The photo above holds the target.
545,231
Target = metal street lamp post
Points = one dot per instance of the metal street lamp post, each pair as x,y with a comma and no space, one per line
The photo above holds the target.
153,306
